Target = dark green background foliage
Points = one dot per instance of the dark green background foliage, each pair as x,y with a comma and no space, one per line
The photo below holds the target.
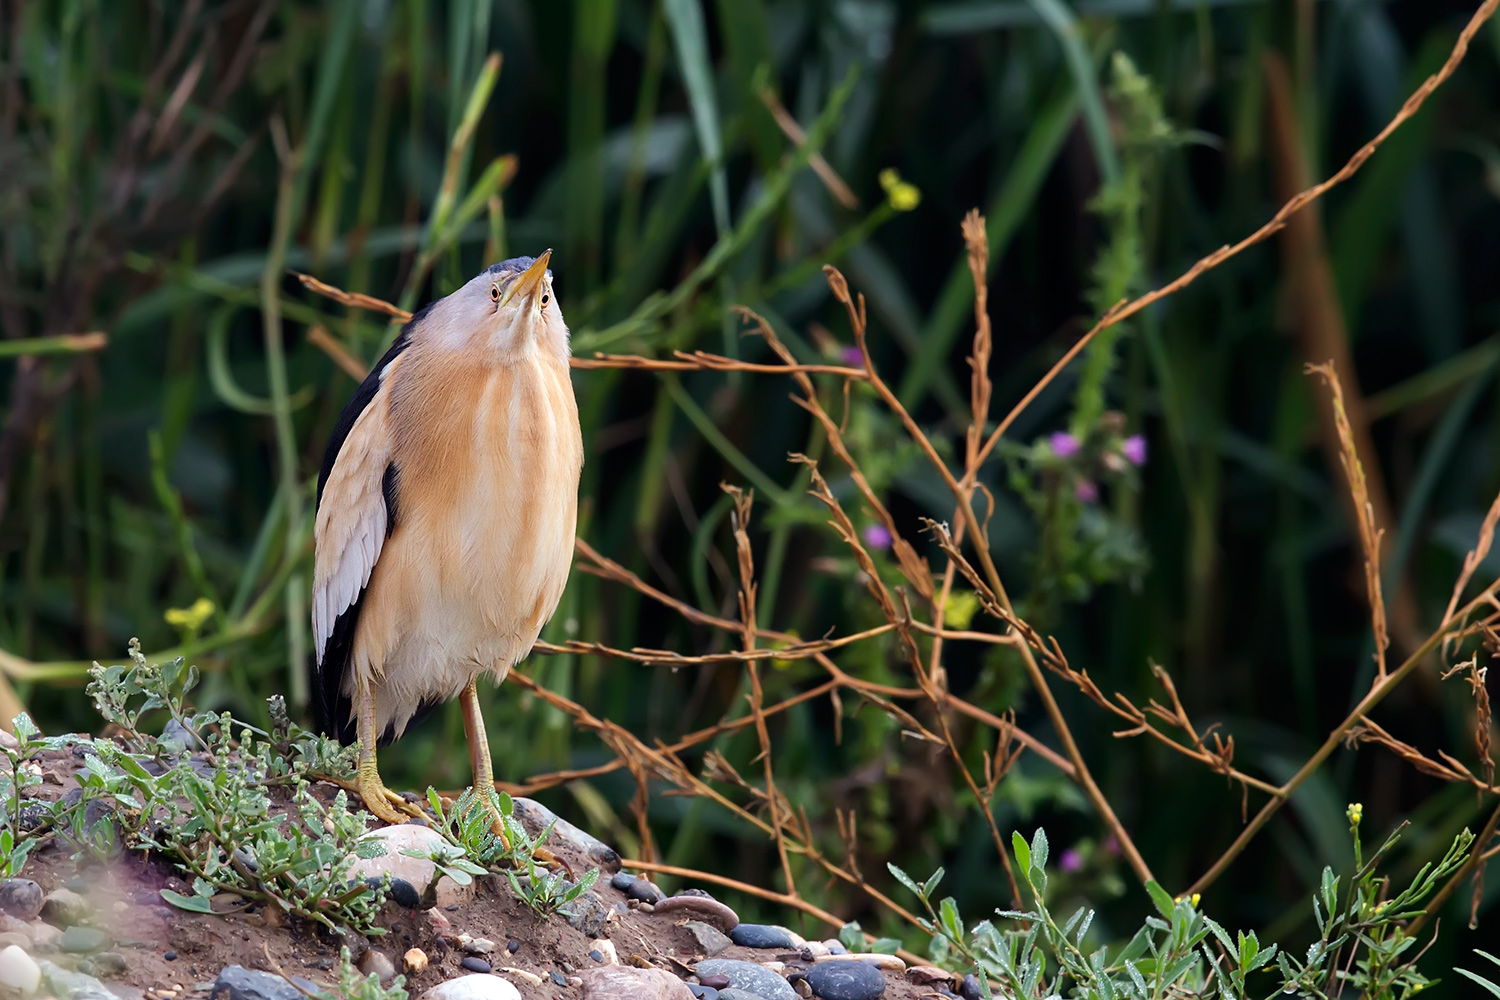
314,136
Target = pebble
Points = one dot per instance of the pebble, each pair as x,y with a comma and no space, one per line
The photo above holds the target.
480,946
622,881
606,949
377,963
64,906
82,940
110,963
624,982
835,947
749,977
405,894
733,994
701,992
475,964
417,871
846,980
521,974
239,983
415,960
512,946
21,898
557,977
717,982
644,890
706,907
588,914
711,941
18,971
762,936
473,988
969,988
45,937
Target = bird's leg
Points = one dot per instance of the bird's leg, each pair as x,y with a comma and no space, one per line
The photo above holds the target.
379,799
479,755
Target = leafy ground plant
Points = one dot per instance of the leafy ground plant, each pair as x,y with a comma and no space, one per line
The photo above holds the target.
1363,948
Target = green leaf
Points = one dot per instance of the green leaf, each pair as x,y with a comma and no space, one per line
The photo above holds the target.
1023,853
690,37
1491,987
195,904
1164,904
905,880
932,882
1039,849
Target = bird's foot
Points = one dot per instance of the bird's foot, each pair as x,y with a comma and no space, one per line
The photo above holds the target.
387,805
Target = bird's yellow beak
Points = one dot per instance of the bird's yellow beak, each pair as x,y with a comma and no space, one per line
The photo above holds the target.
529,279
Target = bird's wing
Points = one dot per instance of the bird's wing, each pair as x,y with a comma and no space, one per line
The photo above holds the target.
355,515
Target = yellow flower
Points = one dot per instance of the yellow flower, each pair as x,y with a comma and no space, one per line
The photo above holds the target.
1355,813
903,196
960,608
190,619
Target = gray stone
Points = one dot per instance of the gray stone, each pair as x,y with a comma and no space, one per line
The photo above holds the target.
21,898
377,963
68,985
711,940
644,890
622,880
762,936
65,907
82,940
535,817
733,994
588,914
846,981
239,983
747,976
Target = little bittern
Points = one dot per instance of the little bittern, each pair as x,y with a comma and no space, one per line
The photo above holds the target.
447,504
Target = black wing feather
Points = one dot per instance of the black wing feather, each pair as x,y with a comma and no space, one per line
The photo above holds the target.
331,708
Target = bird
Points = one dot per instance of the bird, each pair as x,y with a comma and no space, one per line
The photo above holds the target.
447,507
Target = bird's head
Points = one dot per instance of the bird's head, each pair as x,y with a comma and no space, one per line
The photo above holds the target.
508,308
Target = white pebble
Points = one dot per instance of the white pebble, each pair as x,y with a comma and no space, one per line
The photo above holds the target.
18,971
879,959
475,987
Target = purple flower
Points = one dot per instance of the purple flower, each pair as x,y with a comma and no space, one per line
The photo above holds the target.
1086,491
853,357
1063,444
877,536
1071,860
1134,449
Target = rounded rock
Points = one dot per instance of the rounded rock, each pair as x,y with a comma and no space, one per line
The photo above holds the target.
711,910
475,964
415,960
626,982
378,964
969,988
21,898
701,992
622,881
473,988
417,871
64,906
82,940
747,976
846,981
762,936
644,890
18,971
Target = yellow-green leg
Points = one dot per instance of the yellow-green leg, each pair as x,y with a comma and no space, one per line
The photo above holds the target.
380,800
479,756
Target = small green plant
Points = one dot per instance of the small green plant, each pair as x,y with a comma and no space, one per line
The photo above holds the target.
17,842
469,824
355,985
1363,947
203,801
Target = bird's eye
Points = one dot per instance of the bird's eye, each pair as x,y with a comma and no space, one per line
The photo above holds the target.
494,293
546,297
